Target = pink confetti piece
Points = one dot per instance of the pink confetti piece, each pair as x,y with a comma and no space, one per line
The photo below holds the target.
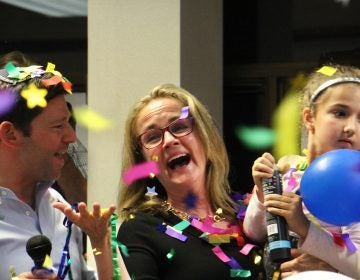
184,112
173,233
7,101
220,254
247,248
139,171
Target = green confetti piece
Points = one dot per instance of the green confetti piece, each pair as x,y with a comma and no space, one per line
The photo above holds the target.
256,137
240,273
171,254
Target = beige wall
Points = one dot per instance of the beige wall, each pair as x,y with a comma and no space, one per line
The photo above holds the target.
134,45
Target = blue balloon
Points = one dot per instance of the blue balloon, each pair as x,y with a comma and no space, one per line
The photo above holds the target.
330,187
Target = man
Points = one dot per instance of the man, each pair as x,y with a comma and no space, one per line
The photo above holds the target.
34,137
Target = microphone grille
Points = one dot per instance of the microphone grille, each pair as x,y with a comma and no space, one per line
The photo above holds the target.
37,248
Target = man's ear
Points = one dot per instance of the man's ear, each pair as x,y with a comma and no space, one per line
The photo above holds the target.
308,119
9,135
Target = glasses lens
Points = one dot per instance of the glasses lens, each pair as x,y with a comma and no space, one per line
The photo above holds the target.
151,138
181,127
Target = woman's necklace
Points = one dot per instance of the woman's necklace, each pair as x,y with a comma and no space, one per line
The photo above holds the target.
167,206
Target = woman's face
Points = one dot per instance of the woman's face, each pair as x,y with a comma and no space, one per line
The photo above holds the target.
182,161
336,124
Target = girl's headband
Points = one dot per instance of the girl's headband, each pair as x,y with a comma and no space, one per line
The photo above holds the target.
330,83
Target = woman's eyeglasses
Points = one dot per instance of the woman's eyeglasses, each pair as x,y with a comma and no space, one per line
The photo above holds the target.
154,137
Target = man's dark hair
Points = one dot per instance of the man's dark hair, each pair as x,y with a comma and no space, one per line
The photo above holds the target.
20,115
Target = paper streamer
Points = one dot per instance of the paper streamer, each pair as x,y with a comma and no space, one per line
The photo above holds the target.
140,171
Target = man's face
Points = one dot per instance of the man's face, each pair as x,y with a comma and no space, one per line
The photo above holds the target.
42,153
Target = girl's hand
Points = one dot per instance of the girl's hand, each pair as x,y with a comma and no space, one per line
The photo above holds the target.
263,167
289,206
303,262
95,224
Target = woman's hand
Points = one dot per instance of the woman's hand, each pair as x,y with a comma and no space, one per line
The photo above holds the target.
289,206
263,167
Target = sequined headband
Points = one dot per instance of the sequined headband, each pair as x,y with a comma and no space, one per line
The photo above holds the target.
330,83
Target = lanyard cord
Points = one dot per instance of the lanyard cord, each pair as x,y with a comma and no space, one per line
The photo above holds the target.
65,258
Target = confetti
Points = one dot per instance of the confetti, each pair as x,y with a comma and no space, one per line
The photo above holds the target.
327,70
256,137
34,96
151,192
190,200
286,123
171,254
247,248
91,120
140,171
184,112
7,101
239,273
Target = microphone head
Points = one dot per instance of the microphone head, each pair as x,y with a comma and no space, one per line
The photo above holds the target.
37,248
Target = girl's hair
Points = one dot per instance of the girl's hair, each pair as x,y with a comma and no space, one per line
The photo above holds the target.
132,197
317,80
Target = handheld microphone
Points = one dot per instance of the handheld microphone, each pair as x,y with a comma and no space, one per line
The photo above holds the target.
277,229
38,247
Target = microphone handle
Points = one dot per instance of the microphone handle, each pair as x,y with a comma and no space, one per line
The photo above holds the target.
277,229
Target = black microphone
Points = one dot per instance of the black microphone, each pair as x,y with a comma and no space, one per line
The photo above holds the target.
277,230
38,247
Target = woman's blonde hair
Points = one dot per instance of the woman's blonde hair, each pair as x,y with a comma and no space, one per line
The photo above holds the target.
132,197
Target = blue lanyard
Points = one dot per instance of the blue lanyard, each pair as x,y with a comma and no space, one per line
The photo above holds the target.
65,264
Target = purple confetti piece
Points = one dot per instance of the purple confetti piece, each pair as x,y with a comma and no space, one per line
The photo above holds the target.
234,264
173,233
184,112
7,101
348,242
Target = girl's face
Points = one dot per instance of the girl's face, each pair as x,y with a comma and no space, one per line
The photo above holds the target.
336,123
182,161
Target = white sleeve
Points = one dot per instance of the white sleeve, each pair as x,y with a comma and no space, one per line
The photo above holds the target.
320,244
254,222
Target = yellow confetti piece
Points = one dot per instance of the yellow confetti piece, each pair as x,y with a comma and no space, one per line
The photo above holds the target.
154,158
34,96
219,238
327,70
286,122
91,119
96,252
48,261
257,259
276,275
219,211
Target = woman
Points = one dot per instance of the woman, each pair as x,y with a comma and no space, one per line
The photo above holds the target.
179,233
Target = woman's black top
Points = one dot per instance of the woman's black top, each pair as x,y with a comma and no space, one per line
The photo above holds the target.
149,247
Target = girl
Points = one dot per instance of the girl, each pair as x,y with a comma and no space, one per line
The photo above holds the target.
331,115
